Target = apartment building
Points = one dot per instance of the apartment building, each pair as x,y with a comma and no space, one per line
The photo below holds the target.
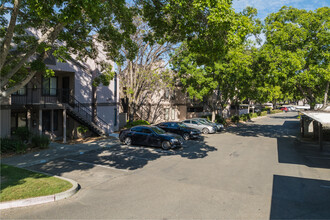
58,105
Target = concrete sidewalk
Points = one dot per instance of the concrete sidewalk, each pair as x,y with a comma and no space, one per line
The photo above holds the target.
57,150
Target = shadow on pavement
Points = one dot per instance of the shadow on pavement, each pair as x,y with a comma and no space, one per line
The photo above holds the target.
292,151
123,157
259,130
300,198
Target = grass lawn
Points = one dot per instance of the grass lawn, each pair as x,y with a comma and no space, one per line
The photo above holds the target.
19,183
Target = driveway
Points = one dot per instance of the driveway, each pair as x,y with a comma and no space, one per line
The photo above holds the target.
257,170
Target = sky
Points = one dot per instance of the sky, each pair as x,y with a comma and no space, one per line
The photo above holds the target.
266,7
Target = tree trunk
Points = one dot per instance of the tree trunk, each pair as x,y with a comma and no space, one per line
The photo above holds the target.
325,101
94,99
213,115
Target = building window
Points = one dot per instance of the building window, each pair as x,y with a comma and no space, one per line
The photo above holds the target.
195,109
173,114
49,86
18,119
166,116
115,117
21,91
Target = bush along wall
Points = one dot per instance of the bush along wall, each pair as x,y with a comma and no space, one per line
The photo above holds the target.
137,122
19,142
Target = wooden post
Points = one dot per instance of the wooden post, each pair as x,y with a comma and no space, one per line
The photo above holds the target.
302,129
40,122
321,136
315,129
52,124
64,126
29,120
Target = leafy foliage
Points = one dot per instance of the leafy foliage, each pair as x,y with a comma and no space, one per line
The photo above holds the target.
40,141
137,122
10,145
22,133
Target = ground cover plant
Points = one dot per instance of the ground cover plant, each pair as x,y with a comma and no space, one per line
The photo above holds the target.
17,183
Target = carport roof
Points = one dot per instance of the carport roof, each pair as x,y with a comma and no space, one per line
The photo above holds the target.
322,117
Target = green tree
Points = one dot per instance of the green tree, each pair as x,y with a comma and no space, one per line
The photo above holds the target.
146,74
62,27
201,78
297,51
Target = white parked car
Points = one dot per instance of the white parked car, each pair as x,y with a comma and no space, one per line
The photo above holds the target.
205,128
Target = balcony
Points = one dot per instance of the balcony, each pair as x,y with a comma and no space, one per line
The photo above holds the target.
38,96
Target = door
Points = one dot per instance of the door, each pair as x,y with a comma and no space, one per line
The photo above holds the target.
66,89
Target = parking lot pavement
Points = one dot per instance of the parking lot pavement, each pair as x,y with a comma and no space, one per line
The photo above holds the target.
254,171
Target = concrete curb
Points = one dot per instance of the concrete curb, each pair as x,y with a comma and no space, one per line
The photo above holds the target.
42,199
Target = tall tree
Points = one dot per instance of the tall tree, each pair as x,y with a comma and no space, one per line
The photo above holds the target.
298,50
202,73
63,27
146,74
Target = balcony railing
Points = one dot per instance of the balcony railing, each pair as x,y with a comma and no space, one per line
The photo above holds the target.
41,96
59,96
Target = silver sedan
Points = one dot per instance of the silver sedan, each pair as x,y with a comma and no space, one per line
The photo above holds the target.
203,127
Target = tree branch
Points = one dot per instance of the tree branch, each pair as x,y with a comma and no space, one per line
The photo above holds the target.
51,34
9,91
9,35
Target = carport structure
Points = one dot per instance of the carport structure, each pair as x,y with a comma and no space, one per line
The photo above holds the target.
319,120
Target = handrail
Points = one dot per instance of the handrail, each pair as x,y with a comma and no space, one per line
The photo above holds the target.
80,107
51,96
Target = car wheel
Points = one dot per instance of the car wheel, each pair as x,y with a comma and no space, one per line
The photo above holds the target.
185,136
166,145
128,141
205,130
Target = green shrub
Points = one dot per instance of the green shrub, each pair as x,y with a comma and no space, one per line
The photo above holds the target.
263,113
234,118
82,129
218,119
253,115
9,145
245,117
275,111
40,141
6,145
22,133
137,122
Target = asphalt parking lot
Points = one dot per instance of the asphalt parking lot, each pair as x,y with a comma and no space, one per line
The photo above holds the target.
257,170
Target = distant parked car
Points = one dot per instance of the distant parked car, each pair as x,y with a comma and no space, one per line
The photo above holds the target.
291,108
219,126
150,136
205,128
180,129
285,109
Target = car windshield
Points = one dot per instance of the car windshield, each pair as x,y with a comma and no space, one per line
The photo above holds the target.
182,125
203,122
158,130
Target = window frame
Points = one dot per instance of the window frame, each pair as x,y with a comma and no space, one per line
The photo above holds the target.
49,89
17,92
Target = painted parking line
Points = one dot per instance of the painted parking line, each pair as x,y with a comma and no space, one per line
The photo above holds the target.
98,165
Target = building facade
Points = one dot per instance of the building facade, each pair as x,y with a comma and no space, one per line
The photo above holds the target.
58,105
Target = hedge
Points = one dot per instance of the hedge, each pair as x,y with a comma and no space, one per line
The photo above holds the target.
218,119
137,122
